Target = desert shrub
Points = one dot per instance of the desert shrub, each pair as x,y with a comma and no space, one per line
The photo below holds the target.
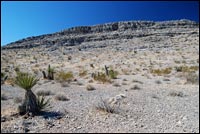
17,69
83,73
174,93
158,82
62,76
113,74
125,80
116,84
64,84
137,81
101,77
186,68
192,78
44,93
135,87
161,71
105,106
61,97
90,88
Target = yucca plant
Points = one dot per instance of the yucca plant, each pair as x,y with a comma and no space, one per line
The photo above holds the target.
42,103
27,81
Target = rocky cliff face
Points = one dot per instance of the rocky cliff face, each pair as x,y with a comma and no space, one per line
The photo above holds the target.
110,31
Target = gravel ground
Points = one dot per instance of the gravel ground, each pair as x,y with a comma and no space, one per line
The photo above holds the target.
152,108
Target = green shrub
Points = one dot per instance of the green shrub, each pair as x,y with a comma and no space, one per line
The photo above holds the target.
83,73
186,68
61,97
62,76
161,71
101,77
113,74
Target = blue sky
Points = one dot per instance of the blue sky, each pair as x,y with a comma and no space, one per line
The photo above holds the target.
24,19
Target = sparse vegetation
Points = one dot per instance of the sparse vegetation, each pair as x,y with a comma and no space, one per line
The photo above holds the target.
174,93
116,84
113,74
186,68
90,88
44,93
61,97
63,77
158,82
137,81
82,73
192,78
104,106
101,77
3,78
135,87
160,72
64,84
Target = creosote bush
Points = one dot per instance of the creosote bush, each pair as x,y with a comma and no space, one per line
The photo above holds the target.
65,76
186,68
161,71
101,77
82,73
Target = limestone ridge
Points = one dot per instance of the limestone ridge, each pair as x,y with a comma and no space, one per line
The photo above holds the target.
109,31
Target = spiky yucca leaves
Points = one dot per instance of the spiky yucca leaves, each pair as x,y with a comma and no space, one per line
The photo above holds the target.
27,81
3,77
42,103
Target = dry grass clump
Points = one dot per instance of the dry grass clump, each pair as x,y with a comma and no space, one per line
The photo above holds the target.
137,81
83,73
65,76
44,93
192,78
126,71
160,72
116,84
158,82
101,77
61,97
105,106
186,68
64,84
124,83
135,87
174,94
90,88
